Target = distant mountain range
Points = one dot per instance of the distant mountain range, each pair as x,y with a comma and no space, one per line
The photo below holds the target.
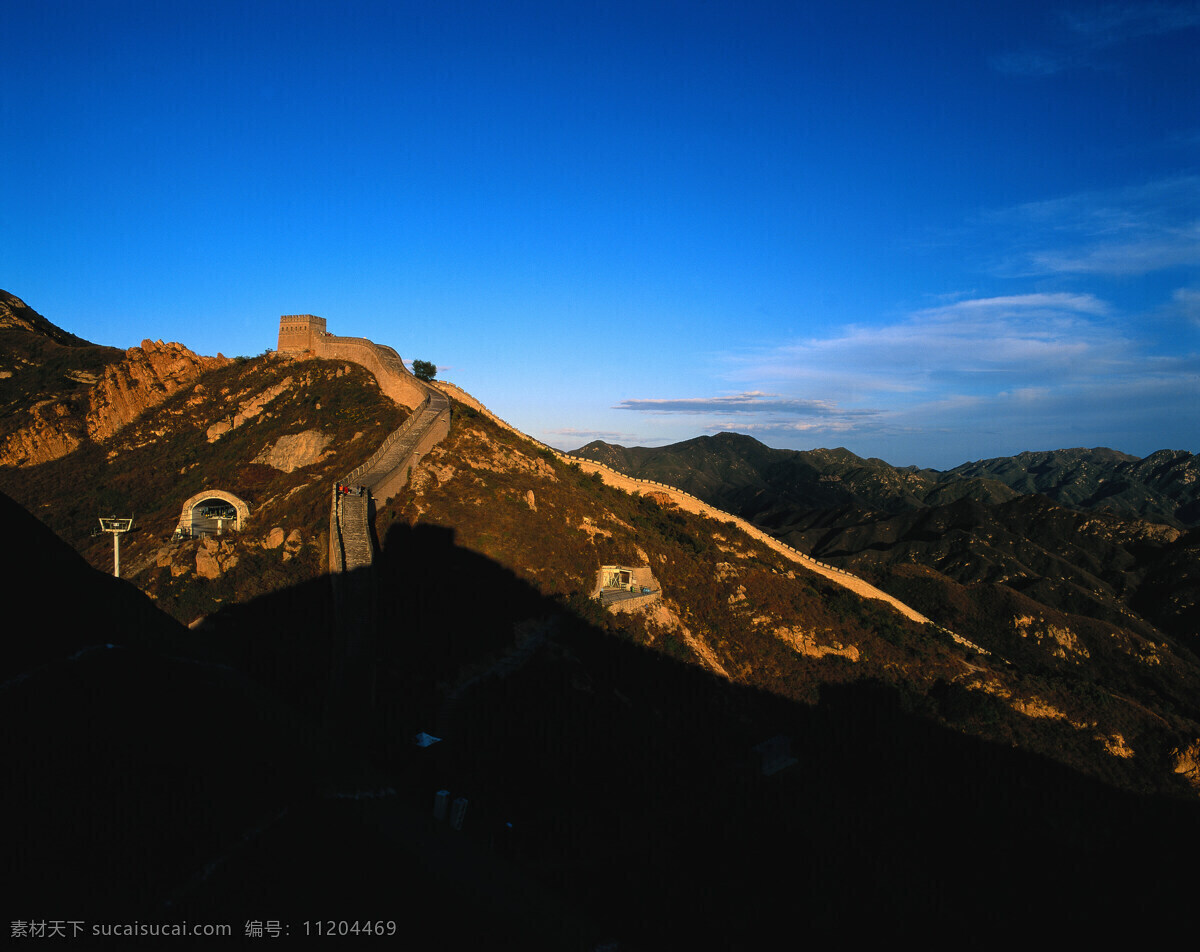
1083,536
747,477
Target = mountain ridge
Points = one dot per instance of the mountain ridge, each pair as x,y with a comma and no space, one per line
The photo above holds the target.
1076,476
58,391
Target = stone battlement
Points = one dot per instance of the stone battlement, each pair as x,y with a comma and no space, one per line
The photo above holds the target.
309,334
300,332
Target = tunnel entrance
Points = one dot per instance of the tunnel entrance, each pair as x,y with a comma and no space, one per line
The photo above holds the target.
212,512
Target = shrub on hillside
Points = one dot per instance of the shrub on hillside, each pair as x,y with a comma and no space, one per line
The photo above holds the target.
424,370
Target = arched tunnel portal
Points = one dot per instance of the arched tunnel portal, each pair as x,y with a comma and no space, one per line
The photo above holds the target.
211,512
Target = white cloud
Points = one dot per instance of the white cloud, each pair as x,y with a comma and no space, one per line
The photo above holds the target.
1013,339
1052,308
982,375
749,402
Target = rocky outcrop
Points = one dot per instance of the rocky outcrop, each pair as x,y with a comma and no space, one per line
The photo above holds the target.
808,643
1186,762
51,432
247,410
213,557
290,453
147,376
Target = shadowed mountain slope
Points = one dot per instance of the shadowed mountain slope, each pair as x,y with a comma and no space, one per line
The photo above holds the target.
637,808
164,778
1104,603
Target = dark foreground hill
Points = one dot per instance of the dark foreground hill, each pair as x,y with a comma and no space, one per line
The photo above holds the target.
157,782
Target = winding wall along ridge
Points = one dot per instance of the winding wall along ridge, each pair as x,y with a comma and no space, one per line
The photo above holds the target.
690,503
386,472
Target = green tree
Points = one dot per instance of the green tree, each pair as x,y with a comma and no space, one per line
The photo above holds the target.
424,370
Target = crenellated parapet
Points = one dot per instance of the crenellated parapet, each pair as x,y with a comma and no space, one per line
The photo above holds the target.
306,333
299,333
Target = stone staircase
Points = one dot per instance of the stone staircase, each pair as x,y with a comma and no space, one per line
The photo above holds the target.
352,516
384,474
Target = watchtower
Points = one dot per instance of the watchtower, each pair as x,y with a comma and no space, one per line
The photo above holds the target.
299,332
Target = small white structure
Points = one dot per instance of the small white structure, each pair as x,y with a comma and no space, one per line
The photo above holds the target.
114,527
625,587
621,577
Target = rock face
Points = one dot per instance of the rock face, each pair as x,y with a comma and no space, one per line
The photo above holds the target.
247,410
290,453
213,558
1187,763
144,378
148,375
48,435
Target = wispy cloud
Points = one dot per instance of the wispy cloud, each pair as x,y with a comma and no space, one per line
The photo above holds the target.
1186,303
766,414
1113,23
1116,232
1018,337
740,403
570,437
997,373
1080,37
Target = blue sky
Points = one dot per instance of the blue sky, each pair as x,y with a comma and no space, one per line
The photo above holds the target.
928,232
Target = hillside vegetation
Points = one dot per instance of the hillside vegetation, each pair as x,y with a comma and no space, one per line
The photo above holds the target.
218,434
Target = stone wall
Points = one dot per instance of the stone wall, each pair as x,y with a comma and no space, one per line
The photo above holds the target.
425,436
337,550
307,333
634,603
298,331
387,471
394,379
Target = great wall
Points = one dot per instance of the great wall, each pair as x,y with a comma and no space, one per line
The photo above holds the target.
689,503
389,468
